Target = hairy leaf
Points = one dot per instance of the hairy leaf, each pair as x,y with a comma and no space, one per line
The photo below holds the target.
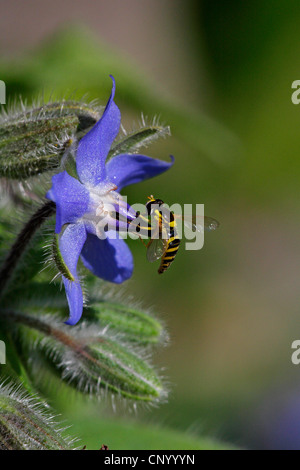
142,137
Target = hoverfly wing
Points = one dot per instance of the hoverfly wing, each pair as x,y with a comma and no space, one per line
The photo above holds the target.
210,224
156,249
198,223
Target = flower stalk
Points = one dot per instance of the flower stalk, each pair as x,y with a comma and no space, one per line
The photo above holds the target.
22,241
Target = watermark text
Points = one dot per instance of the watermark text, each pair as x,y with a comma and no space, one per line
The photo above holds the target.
2,92
2,352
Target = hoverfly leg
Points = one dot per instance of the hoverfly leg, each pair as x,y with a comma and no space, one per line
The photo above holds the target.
145,244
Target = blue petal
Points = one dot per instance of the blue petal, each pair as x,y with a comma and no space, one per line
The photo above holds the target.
95,145
75,301
70,245
126,169
109,259
71,199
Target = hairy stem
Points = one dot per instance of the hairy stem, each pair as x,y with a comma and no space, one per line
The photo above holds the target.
21,243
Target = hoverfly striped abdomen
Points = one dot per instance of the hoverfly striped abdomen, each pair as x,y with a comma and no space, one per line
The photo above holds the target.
170,253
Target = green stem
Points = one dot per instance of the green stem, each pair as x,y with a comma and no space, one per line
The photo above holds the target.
21,243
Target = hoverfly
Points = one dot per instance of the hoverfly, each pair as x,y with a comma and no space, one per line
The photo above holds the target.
164,240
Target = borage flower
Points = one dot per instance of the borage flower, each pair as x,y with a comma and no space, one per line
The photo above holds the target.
82,203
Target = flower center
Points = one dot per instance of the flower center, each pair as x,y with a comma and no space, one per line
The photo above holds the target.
108,210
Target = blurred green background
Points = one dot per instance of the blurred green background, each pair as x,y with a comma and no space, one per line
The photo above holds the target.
220,74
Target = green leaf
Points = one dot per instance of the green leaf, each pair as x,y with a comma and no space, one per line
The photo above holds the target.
128,434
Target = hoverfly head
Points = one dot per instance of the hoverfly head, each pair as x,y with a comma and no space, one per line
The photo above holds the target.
152,204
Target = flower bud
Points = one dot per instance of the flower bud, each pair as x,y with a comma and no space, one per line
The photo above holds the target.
34,140
90,358
134,324
25,423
